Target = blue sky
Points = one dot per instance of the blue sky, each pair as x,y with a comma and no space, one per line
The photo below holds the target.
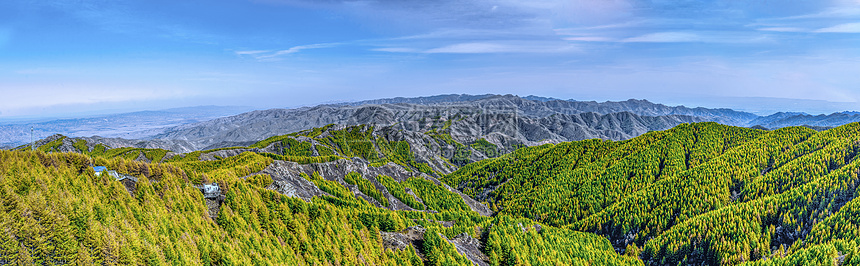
79,56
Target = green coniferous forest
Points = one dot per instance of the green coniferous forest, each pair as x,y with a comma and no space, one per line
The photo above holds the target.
57,211
697,194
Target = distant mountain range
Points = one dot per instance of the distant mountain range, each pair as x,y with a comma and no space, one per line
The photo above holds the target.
526,120
501,119
779,120
507,118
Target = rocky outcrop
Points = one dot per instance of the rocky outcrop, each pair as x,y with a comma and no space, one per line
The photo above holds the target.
288,181
171,145
287,178
471,248
411,236
476,206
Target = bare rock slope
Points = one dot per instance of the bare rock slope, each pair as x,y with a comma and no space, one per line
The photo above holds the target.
470,118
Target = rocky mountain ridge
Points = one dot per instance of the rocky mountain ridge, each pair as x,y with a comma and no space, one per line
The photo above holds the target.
529,120
779,120
471,118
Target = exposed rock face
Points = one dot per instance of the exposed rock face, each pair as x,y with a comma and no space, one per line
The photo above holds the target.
92,142
67,144
411,236
256,125
142,158
528,120
476,206
287,179
213,206
215,155
130,185
171,145
543,106
471,248
503,118
424,147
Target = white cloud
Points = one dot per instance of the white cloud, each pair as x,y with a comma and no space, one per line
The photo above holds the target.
589,39
666,37
838,10
843,28
296,49
489,48
701,37
273,55
471,48
783,29
396,50
252,52
604,27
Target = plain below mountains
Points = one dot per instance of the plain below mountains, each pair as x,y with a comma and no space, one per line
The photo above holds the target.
136,125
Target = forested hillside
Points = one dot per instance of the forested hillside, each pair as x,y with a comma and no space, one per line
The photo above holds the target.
54,210
698,193
434,151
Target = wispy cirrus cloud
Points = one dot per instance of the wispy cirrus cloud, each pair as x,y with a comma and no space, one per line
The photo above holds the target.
838,28
842,28
666,37
845,9
489,47
271,55
589,39
396,50
829,19
714,37
783,29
